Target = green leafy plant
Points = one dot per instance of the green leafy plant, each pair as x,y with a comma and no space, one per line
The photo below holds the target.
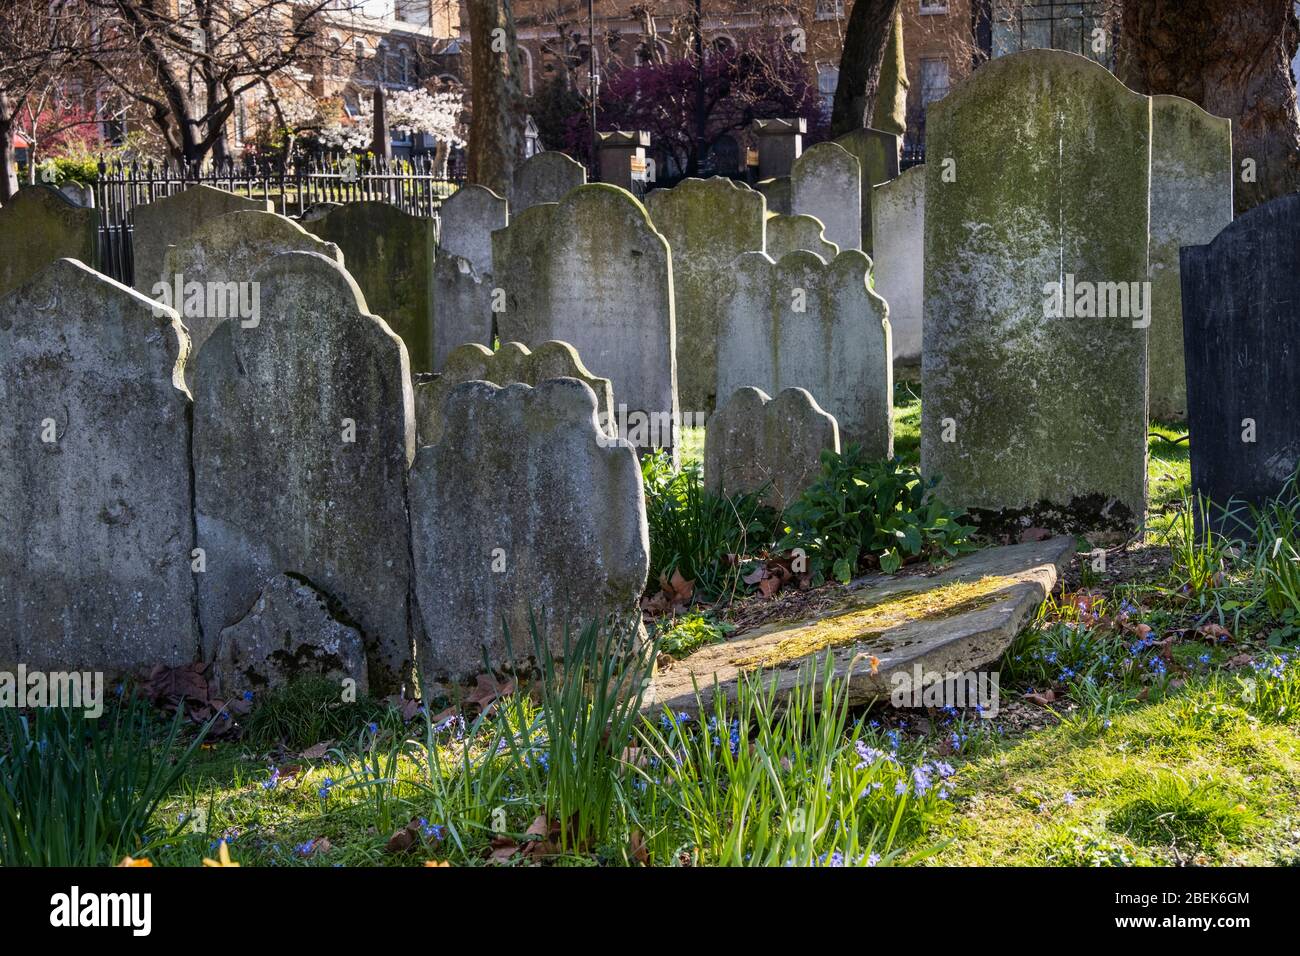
76,791
692,631
863,511
692,530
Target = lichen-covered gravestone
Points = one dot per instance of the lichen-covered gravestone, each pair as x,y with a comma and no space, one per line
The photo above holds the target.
512,362
208,275
524,506
827,183
462,306
898,216
169,219
707,222
754,441
805,323
39,226
777,193
594,272
545,177
304,428
390,253
1240,327
876,151
1035,345
788,233
96,528
467,219
1191,200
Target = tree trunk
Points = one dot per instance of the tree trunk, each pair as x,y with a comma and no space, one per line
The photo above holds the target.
865,39
8,169
890,113
496,132
1233,59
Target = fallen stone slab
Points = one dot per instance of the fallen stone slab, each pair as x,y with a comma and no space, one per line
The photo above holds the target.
958,620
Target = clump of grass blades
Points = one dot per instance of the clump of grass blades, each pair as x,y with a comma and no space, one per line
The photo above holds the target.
306,711
1170,810
762,783
81,792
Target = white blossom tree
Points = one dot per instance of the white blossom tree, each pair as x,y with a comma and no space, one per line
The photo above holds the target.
409,111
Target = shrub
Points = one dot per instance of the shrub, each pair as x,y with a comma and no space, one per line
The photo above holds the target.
861,511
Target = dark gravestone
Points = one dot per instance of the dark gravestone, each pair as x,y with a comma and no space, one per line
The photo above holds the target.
1241,336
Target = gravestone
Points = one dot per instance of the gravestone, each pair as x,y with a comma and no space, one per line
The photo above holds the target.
544,177
208,275
707,222
512,362
291,631
1035,413
467,220
1240,328
78,194
96,528
827,183
594,272
304,427
777,193
38,227
169,219
523,506
788,233
755,441
390,253
1191,201
877,153
898,217
780,143
805,323
462,306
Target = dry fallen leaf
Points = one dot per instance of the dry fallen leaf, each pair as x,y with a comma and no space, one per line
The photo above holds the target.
1042,700
637,849
318,751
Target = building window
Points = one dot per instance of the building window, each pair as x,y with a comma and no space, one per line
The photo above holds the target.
828,78
934,80
830,10
1052,25
404,65
723,45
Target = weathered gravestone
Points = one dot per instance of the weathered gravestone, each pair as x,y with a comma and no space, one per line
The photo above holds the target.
594,272
304,427
512,362
390,253
96,528
544,177
1191,200
805,323
1034,351
39,226
467,219
78,194
290,631
827,183
877,154
754,441
208,275
169,219
898,217
707,222
788,233
462,306
777,193
1240,329
524,506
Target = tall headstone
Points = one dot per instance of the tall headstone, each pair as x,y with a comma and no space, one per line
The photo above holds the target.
1191,201
780,143
462,306
467,220
545,177
1035,406
754,442
707,222
96,527
1240,329
788,233
523,509
805,323
827,183
512,363
390,253
169,219
621,156
304,427
208,275
877,153
898,223
40,226
594,272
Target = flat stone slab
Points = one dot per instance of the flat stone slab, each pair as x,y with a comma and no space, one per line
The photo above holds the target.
958,620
